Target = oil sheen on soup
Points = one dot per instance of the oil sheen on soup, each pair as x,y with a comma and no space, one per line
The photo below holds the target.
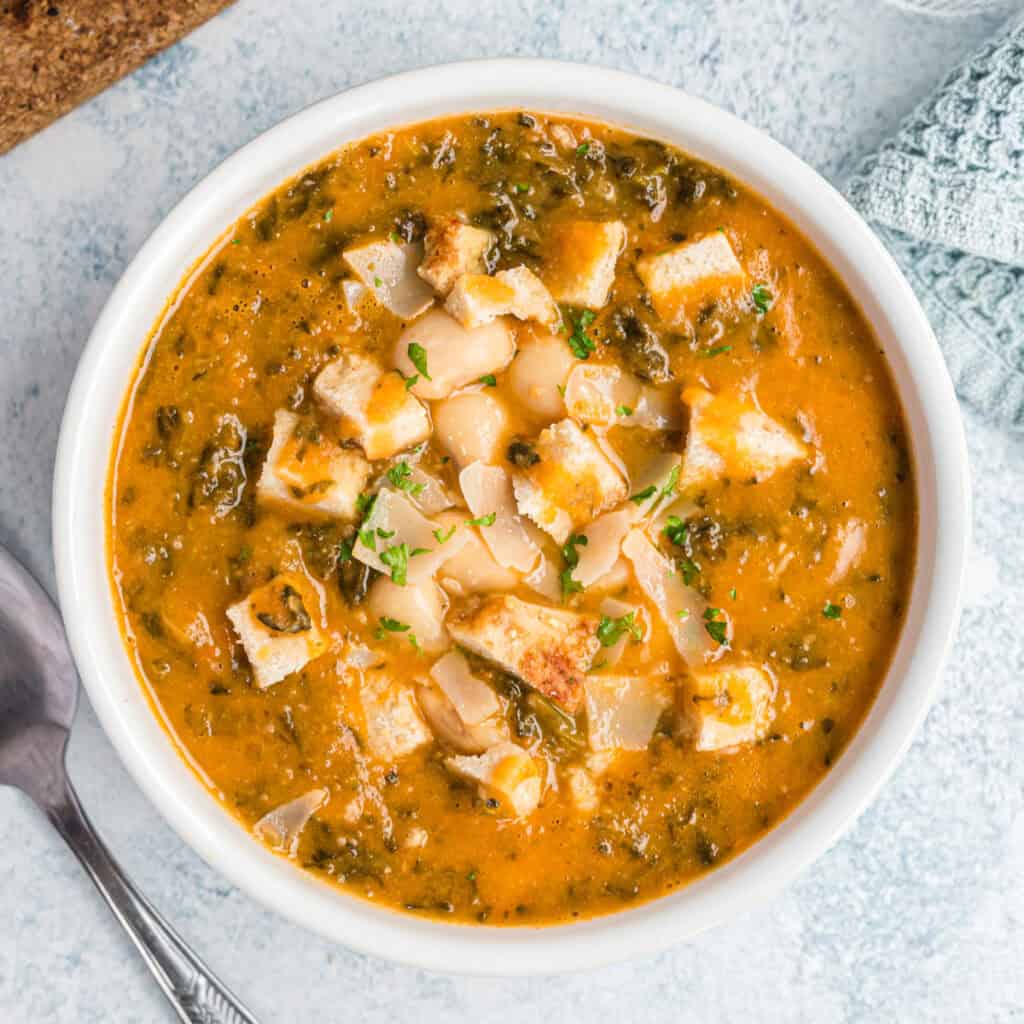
511,519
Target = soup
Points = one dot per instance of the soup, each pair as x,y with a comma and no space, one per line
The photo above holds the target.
511,519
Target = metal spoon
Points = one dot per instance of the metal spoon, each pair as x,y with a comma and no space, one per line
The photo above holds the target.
38,696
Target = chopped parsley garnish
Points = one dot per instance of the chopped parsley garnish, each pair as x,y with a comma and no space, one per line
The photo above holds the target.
385,534
522,187
676,531
415,643
367,539
579,341
623,410
683,614
572,559
441,537
345,550
487,520
732,593
716,626
610,631
670,481
378,283
641,496
831,611
364,504
328,215
762,297
489,380
583,149
394,236
390,625
401,476
718,350
690,570
236,241
397,560
410,382
418,358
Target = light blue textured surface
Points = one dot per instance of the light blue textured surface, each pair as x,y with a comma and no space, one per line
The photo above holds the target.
915,916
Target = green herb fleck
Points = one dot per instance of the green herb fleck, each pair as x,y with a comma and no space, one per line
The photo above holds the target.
390,625
397,560
522,187
572,559
623,410
831,611
442,537
385,534
487,520
718,350
378,283
716,626
641,496
418,358
583,149
610,631
401,476
579,341
762,297
345,550
670,481
367,539
732,593
328,215
394,236
676,531
489,380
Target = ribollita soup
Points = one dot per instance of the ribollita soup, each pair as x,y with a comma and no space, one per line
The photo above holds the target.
511,518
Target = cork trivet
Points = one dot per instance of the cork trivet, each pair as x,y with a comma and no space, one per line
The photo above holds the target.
54,56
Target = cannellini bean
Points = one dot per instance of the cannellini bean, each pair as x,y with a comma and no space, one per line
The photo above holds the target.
540,368
472,427
453,355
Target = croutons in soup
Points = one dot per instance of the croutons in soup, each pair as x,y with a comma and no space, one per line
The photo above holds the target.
512,518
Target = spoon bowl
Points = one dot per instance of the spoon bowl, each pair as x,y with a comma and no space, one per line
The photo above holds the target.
38,697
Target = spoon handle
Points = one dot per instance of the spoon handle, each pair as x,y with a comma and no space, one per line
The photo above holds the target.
193,989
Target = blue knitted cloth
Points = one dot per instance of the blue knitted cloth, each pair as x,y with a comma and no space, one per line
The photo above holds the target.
947,196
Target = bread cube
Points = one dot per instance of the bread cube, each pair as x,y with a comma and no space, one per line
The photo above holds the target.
472,427
538,375
685,279
731,706
572,483
732,438
506,773
452,354
530,298
393,724
476,299
548,648
306,472
452,249
581,258
279,627
375,404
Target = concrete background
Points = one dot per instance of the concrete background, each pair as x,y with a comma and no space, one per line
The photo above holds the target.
914,916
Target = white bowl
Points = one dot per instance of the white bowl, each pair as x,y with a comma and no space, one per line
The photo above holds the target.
110,359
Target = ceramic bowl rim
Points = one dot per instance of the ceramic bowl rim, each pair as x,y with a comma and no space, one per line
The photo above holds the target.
103,376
